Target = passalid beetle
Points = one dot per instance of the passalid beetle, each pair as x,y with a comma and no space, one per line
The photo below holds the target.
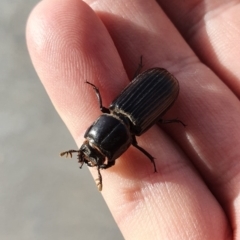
140,105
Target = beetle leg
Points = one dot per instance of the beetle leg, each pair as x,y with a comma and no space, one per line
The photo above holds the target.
175,120
89,164
135,144
140,66
103,109
108,165
99,180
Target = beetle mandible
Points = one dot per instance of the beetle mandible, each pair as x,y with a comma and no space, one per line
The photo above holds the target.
139,106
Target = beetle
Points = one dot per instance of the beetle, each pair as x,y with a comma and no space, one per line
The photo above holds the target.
138,107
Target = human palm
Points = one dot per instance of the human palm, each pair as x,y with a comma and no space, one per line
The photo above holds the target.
195,193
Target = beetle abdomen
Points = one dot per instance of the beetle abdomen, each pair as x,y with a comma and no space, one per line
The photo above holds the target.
146,98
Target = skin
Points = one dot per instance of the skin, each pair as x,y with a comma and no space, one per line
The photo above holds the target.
195,193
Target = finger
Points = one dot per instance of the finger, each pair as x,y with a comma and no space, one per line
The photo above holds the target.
135,33
204,101
211,28
64,61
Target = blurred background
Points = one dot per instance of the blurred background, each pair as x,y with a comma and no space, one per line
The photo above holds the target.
42,196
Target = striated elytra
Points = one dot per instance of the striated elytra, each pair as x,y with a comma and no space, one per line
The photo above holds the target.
139,106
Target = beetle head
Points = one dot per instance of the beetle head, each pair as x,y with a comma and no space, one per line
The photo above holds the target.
90,155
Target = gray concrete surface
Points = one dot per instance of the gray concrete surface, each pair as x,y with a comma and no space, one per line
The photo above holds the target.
42,196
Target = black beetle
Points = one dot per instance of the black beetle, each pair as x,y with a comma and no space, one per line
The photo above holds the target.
140,105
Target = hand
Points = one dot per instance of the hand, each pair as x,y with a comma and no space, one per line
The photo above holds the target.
194,194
